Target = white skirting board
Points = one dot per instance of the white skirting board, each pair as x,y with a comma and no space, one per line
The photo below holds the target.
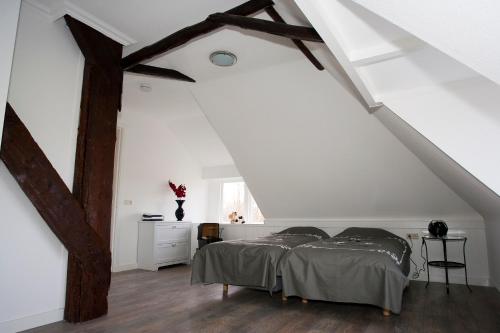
32,321
121,268
476,253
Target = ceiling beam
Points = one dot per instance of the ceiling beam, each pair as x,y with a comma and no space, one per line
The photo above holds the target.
159,72
185,35
273,28
385,52
300,45
319,14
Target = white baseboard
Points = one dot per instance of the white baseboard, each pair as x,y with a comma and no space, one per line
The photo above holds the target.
28,322
495,284
472,222
116,269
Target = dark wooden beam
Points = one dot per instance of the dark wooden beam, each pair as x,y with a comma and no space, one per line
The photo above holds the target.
87,38
273,28
56,205
189,33
300,45
93,180
160,72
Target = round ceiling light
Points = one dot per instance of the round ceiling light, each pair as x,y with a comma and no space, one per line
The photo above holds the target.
223,58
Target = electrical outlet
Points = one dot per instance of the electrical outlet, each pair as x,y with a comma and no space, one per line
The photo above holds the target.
412,236
127,202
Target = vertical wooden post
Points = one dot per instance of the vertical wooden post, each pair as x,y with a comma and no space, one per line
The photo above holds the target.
93,180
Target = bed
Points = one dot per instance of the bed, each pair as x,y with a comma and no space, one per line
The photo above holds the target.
250,263
359,265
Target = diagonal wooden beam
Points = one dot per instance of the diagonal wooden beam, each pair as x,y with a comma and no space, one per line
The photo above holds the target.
300,45
51,197
159,72
273,28
189,33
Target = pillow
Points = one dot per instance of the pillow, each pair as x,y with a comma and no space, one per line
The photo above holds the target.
366,233
305,231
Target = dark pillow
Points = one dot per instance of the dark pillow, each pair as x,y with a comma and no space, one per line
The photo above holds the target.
305,231
366,233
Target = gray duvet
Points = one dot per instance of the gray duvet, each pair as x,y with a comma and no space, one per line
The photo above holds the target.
359,265
250,263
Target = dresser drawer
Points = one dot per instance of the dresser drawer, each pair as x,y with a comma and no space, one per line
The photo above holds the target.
171,233
163,243
171,251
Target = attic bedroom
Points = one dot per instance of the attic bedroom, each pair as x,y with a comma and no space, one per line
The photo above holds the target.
249,166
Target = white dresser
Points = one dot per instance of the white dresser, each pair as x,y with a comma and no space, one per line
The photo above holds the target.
163,243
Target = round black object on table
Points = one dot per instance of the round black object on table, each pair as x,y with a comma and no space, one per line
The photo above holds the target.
438,228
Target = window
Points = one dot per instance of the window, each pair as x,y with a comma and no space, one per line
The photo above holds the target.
237,198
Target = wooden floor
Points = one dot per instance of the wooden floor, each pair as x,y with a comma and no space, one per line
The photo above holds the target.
164,301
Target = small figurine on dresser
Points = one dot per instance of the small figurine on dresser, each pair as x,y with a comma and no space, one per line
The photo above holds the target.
235,219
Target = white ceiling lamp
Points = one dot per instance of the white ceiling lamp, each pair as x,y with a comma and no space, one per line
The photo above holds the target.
223,58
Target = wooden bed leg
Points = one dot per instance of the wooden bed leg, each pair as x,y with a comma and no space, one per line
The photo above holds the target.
386,312
284,298
225,288
305,301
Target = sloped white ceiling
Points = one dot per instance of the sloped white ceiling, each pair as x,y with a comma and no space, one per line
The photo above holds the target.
173,104
465,30
308,149
443,99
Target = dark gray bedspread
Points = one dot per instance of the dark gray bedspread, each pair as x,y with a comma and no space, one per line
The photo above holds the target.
359,265
250,263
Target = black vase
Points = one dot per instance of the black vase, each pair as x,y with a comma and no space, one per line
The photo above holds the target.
179,212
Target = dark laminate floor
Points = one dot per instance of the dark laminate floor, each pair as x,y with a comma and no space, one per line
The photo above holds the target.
143,301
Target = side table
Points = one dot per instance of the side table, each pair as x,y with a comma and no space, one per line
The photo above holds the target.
445,264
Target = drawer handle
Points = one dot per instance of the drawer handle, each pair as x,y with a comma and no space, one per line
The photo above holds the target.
174,245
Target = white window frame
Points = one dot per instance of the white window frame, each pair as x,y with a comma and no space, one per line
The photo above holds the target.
246,199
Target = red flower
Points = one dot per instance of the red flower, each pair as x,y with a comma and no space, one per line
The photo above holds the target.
180,191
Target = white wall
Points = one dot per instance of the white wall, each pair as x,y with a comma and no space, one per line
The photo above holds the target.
307,149
461,118
45,92
460,180
214,199
476,253
492,234
9,14
151,154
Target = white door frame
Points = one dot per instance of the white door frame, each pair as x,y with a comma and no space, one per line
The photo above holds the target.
115,238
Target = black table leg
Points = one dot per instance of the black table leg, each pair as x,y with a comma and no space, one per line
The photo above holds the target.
446,267
465,267
426,261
